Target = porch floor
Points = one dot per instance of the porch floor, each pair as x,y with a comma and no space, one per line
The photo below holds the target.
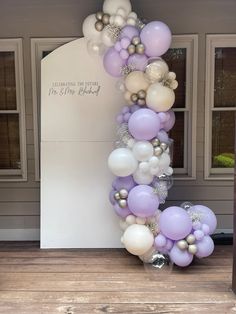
109,281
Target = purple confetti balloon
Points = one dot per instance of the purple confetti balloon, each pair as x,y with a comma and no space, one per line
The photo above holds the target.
156,37
129,31
179,257
123,183
144,124
206,216
138,62
142,201
205,247
113,63
175,223
122,212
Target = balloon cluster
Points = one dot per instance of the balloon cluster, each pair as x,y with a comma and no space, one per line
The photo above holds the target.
142,158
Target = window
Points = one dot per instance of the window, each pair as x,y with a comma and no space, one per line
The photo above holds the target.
40,48
220,106
13,161
182,59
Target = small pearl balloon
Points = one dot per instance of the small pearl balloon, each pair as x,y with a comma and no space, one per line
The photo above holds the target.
191,239
136,40
174,84
99,16
158,151
182,245
123,193
142,94
124,54
155,142
117,196
99,26
134,97
105,19
192,249
141,220
140,49
131,49
171,76
163,146
130,219
141,102
205,229
122,203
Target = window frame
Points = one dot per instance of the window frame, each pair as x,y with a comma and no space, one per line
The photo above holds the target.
38,46
15,45
190,43
214,41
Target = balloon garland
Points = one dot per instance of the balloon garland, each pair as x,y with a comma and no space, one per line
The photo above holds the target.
142,159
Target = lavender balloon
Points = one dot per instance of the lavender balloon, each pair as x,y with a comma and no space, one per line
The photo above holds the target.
111,197
129,31
144,124
138,62
142,201
123,183
122,212
113,63
206,216
179,257
168,125
156,37
205,247
175,223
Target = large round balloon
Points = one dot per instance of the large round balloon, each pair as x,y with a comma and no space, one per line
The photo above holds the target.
143,150
142,201
113,63
138,239
144,124
156,37
179,257
168,125
175,223
136,81
206,216
122,162
156,70
89,29
205,247
111,6
159,97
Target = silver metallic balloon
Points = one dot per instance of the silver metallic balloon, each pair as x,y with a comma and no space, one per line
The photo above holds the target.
155,142
141,102
182,244
134,97
99,16
136,40
163,146
122,203
158,151
117,196
140,49
99,26
142,94
186,205
191,239
123,193
105,19
131,49
192,249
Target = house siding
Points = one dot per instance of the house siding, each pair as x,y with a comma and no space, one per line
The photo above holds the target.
19,201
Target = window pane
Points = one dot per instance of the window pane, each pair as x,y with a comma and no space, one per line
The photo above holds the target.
45,53
176,60
7,81
177,134
10,143
225,77
223,128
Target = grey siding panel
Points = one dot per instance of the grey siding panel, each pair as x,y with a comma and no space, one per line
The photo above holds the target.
19,201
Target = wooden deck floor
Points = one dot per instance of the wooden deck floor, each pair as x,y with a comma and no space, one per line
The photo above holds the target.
109,281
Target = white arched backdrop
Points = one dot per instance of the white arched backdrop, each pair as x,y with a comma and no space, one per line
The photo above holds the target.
79,102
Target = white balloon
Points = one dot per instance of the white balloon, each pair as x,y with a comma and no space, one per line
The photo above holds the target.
89,29
142,178
122,162
159,97
130,219
164,161
111,6
169,171
143,166
138,239
107,40
154,171
156,70
141,220
95,49
154,161
123,224
143,150
136,81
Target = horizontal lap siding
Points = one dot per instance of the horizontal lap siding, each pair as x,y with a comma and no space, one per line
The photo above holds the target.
19,201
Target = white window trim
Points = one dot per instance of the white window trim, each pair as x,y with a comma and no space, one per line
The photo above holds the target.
190,42
38,45
15,44
212,42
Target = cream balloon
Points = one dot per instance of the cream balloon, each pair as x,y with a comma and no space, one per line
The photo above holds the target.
143,150
156,70
106,39
143,166
159,97
111,6
89,29
138,239
122,162
136,81
164,162
142,177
